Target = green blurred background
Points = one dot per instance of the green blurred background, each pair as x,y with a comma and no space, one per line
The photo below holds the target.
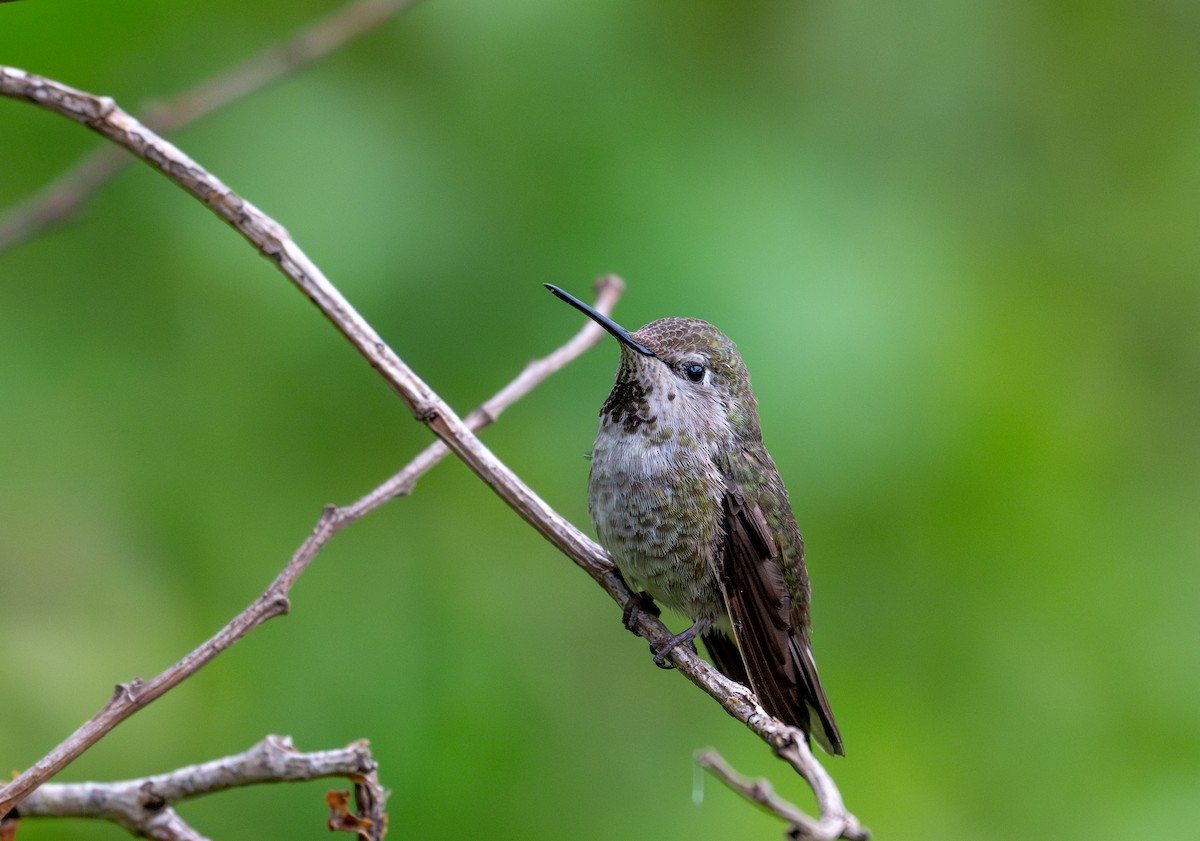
956,243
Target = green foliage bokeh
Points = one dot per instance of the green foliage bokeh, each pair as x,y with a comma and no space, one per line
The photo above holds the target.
956,244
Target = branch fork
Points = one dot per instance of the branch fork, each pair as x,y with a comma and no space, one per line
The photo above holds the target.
145,806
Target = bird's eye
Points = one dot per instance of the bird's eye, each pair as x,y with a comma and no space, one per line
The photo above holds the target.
694,372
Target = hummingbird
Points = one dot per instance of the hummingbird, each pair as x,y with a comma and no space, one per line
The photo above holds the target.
688,502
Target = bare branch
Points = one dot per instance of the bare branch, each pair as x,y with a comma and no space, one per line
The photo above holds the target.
63,197
143,806
270,238
801,826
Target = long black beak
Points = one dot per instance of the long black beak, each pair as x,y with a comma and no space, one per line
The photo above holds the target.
621,334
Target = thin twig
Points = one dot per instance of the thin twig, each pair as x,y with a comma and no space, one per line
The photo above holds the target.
273,241
760,792
757,791
63,197
143,806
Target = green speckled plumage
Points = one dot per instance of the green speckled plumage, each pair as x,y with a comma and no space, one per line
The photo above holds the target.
687,500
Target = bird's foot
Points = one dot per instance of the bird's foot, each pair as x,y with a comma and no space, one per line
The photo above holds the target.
686,637
641,602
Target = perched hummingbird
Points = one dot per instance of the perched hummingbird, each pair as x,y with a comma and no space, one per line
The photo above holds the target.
688,502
